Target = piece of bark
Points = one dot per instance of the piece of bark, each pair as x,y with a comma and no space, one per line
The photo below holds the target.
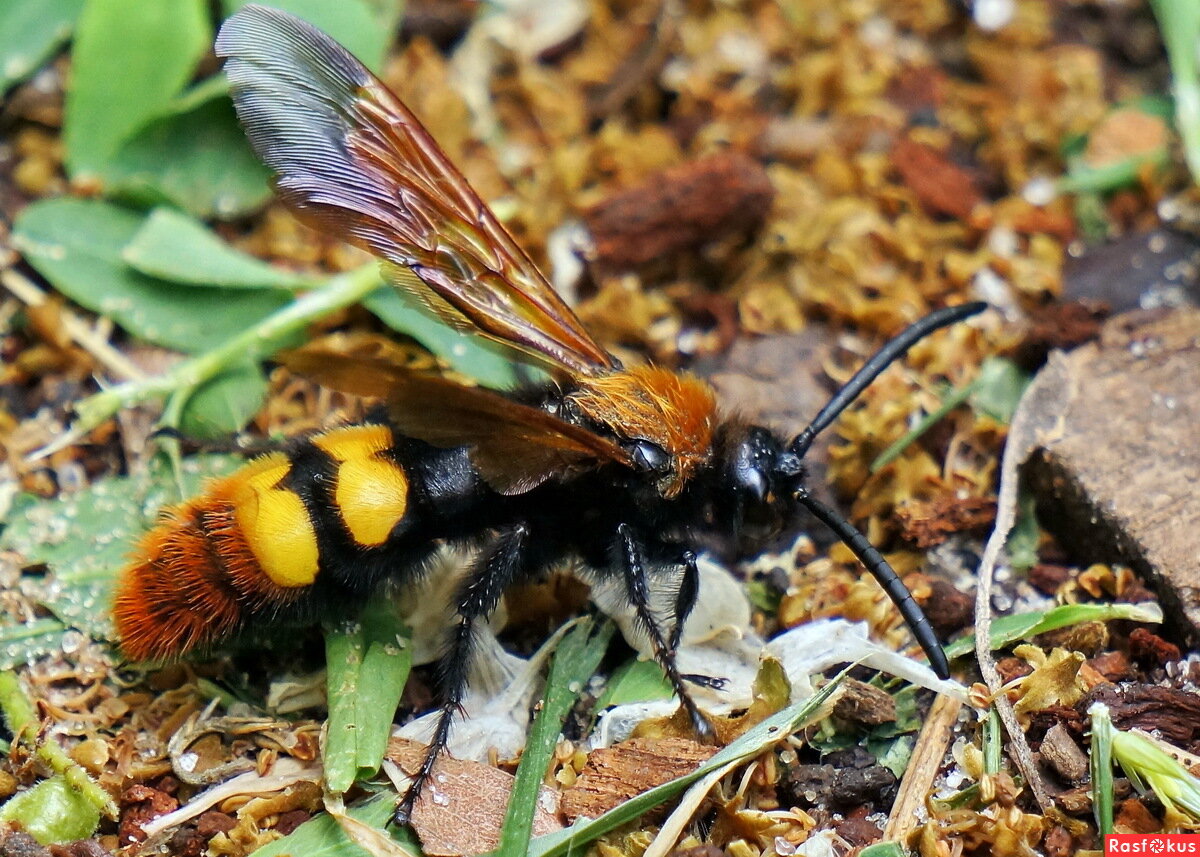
1118,482
679,209
1061,753
839,788
1078,801
947,608
926,523
1171,713
942,186
864,704
461,809
1114,666
615,774
1148,648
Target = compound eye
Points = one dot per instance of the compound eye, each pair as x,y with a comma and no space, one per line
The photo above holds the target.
649,457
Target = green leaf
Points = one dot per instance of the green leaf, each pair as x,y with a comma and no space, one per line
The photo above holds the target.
172,246
884,849
359,26
998,390
1022,626
321,836
131,58
635,681
52,811
30,32
465,353
77,245
575,660
195,157
85,539
368,663
226,404
1100,759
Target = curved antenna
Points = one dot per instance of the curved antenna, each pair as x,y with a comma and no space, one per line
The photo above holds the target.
914,617
884,357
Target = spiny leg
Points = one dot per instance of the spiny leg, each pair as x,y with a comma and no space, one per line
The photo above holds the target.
633,568
917,622
477,597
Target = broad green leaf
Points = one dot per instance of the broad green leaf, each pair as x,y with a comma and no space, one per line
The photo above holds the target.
367,664
353,23
323,837
30,32
172,246
77,245
465,353
575,660
635,681
52,811
131,58
884,849
195,157
226,404
84,539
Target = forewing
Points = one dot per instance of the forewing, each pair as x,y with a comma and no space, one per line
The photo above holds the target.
514,447
350,156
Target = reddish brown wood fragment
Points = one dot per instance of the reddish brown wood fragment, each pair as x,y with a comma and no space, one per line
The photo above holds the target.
948,609
1133,817
1146,647
1048,578
615,774
930,522
679,209
941,186
1114,666
141,804
1175,714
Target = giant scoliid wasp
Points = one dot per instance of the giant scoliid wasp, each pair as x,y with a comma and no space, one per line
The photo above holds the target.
623,468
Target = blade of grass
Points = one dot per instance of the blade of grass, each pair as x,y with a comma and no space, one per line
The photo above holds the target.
368,662
752,742
1101,762
1179,23
993,735
575,660
953,399
1020,626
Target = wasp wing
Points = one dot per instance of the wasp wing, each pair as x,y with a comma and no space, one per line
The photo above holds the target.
514,447
351,157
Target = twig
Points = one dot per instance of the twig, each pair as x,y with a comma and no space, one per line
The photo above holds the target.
75,327
923,767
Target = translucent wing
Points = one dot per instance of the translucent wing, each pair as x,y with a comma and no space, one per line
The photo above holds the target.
514,447
351,157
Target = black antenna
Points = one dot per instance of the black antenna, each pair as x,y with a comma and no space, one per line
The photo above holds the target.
887,577
892,351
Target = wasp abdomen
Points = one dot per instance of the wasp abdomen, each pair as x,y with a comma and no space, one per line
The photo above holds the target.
250,544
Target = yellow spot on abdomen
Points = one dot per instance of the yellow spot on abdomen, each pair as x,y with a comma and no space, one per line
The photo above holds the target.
275,522
371,491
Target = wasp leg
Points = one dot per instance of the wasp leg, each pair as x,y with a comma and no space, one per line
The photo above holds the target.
685,599
478,597
633,567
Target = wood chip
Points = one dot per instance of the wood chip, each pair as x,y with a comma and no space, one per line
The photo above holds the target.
462,807
1173,714
864,704
1119,480
681,208
941,186
1060,751
614,775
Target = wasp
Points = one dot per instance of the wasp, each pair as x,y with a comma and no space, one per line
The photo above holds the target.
622,468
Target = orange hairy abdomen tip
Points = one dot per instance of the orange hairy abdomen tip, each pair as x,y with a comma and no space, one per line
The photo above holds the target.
196,579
